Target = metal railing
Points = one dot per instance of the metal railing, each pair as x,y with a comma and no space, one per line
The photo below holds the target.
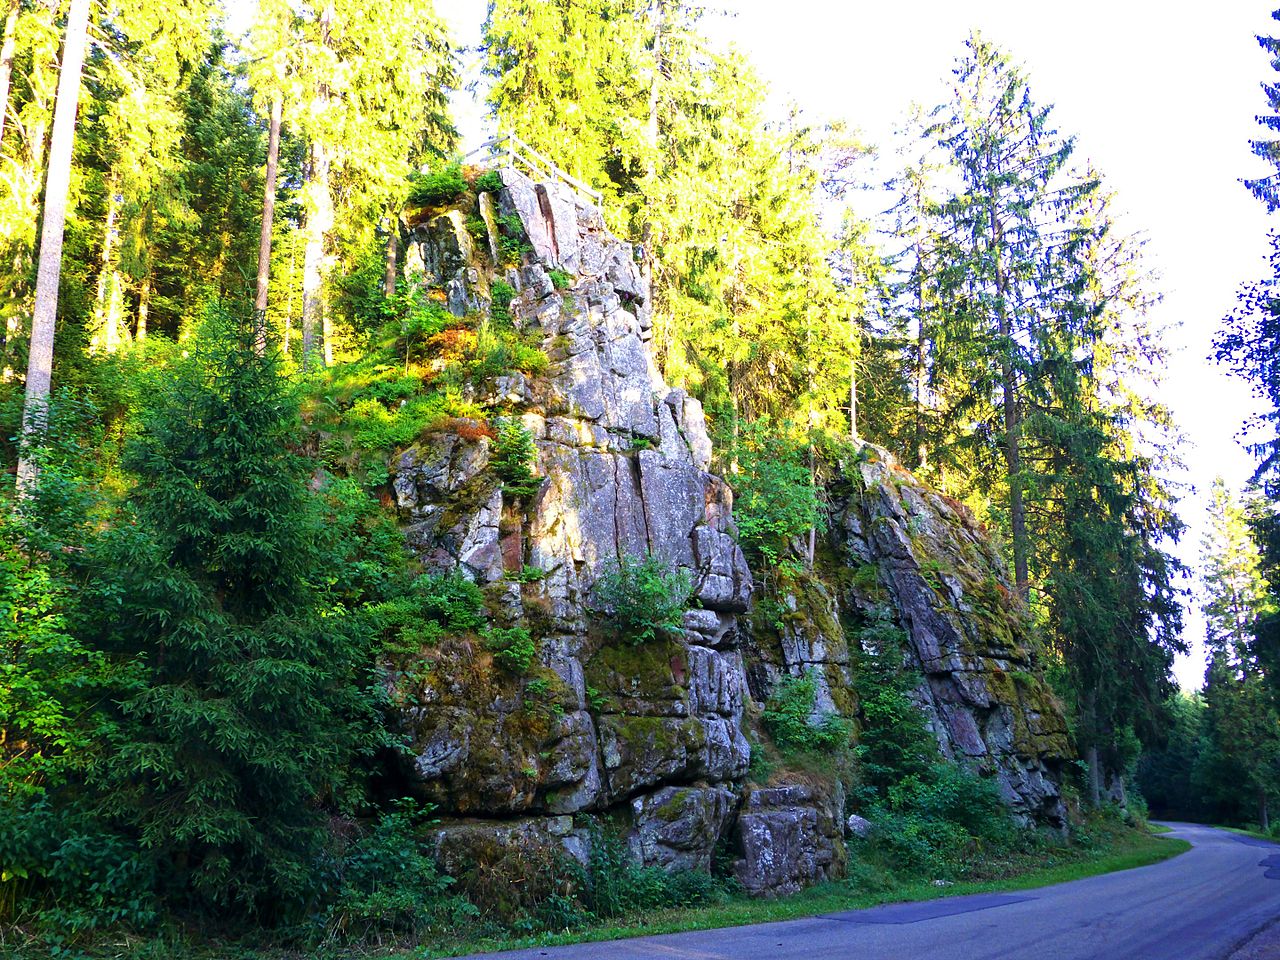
515,151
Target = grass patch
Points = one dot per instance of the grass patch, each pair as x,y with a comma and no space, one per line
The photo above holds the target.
1256,834
1133,849
1159,828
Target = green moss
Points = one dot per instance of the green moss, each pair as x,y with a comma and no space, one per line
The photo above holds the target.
646,670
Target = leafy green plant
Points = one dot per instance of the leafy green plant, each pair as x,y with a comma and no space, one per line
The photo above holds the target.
513,242
502,293
643,598
489,182
560,280
477,228
512,459
789,717
616,886
437,187
385,881
527,574
775,499
513,648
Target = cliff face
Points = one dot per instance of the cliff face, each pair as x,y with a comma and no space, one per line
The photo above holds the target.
655,736
900,553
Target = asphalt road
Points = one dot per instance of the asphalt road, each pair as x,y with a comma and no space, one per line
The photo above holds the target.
1214,902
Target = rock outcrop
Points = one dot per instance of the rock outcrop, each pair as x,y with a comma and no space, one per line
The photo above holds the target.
655,731
655,736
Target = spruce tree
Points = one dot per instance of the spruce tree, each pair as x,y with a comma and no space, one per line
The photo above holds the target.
253,697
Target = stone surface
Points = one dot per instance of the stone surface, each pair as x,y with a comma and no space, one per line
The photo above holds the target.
791,837
655,735
678,827
624,460
924,557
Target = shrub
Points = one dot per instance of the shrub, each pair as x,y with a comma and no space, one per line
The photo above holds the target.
513,242
513,454
775,499
559,279
616,886
489,182
895,745
644,598
252,699
438,187
502,293
385,882
789,717
513,648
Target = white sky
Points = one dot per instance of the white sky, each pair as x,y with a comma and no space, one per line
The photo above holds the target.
1161,95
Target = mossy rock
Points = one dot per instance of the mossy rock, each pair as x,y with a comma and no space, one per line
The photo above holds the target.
645,678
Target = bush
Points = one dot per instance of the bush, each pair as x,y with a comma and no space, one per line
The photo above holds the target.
385,882
644,598
489,182
617,887
513,454
775,499
513,242
502,293
252,699
789,718
895,745
559,279
438,187
513,648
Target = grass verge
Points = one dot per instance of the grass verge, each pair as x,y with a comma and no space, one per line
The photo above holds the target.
1137,849
1257,834
1159,828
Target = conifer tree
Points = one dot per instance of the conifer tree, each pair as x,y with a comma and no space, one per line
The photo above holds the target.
1267,189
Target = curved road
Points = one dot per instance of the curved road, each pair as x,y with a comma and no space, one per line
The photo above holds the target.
1219,900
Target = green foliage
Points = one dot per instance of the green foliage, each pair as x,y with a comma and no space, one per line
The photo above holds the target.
560,280
500,353
513,458
513,648
254,698
386,882
775,498
422,609
642,599
502,293
437,187
894,744
616,886
790,718
489,182
513,242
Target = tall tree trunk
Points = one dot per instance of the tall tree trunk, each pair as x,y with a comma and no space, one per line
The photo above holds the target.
319,218
655,84
6,60
58,184
268,221
921,452
106,335
288,300
144,304
1095,776
1264,816
393,252
1012,423
326,329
